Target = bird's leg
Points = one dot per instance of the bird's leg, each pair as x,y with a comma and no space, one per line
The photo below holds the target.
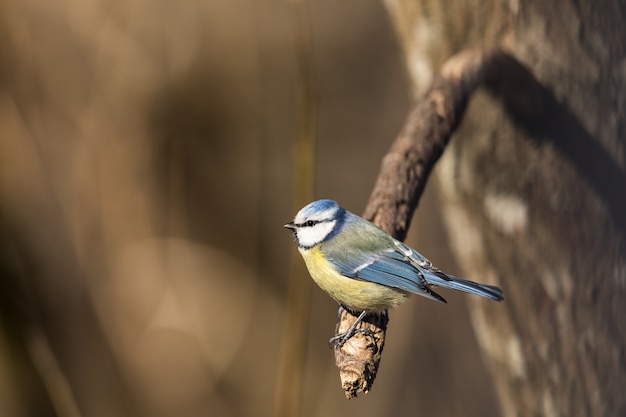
341,338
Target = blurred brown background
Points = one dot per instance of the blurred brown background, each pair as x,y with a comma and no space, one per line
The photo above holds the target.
145,175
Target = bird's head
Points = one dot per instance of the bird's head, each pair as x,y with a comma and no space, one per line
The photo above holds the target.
316,222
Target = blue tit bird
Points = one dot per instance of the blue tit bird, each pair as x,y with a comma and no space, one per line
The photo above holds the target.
363,268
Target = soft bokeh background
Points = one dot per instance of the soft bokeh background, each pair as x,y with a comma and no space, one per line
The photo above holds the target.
145,175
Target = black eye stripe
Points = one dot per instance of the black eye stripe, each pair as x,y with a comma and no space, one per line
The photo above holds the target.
310,223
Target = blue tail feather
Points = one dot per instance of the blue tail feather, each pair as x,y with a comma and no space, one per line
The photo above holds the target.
484,290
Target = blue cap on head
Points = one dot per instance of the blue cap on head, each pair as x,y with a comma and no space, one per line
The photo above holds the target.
320,210
319,205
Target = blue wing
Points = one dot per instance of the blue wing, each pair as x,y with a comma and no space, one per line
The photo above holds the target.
390,267
406,269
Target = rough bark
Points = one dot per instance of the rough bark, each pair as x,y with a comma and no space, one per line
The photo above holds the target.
406,167
536,204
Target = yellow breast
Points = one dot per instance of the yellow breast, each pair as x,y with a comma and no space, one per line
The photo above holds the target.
352,293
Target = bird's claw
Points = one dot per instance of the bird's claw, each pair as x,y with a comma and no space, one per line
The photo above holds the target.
340,339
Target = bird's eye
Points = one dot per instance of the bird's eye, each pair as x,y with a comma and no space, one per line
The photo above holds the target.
311,223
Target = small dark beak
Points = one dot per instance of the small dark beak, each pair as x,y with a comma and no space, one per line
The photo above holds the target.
290,226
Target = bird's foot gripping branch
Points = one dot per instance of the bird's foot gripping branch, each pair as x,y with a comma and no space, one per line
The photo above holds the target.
342,337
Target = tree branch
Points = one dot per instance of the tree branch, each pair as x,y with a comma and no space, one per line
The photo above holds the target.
401,181
426,132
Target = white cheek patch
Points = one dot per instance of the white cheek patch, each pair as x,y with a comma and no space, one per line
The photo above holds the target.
311,236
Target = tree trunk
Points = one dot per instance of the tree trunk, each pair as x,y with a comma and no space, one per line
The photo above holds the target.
535,206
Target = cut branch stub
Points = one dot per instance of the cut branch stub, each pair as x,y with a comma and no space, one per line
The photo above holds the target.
359,357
